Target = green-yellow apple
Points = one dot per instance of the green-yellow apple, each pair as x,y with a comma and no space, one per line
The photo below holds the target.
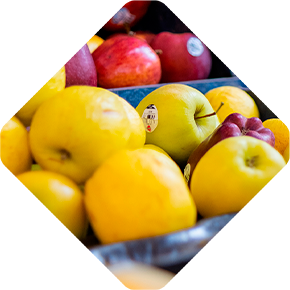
177,118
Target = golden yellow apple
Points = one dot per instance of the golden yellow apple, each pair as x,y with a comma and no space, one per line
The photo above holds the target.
286,154
94,42
61,196
231,173
76,130
53,86
15,150
138,134
136,194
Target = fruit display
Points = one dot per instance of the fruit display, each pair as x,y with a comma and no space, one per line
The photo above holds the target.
114,173
139,151
144,58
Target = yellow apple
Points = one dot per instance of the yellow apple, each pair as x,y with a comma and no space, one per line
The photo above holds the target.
138,134
286,153
176,119
231,173
15,150
156,148
94,42
76,130
53,86
61,196
137,194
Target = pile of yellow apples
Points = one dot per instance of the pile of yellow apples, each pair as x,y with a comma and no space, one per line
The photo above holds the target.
93,159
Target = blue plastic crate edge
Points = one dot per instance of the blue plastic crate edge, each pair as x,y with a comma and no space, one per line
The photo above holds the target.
134,95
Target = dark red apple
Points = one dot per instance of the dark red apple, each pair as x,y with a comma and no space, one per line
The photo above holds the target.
80,69
144,35
234,125
184,57
123,61
127,16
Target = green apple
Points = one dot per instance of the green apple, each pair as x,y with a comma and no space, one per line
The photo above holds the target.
177,118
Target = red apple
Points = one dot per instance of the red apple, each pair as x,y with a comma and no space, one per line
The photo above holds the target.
233,126
184,57
80,69
127,16
146,35
123,61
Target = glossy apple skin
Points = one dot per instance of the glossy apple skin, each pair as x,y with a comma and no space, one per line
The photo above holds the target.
233,126
131,12
81,70
176,61
124,61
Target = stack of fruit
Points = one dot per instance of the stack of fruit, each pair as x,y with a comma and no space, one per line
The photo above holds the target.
126,58
92,158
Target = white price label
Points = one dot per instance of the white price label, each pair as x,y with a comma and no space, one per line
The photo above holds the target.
150,118
194,46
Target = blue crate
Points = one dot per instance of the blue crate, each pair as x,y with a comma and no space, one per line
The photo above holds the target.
135,94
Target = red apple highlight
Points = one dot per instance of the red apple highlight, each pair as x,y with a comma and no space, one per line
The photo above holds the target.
80,69
124,61
184,57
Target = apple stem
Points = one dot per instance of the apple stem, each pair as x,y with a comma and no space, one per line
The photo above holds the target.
64,154
212,114
205,116
158,51
252,162
131,33
127,27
